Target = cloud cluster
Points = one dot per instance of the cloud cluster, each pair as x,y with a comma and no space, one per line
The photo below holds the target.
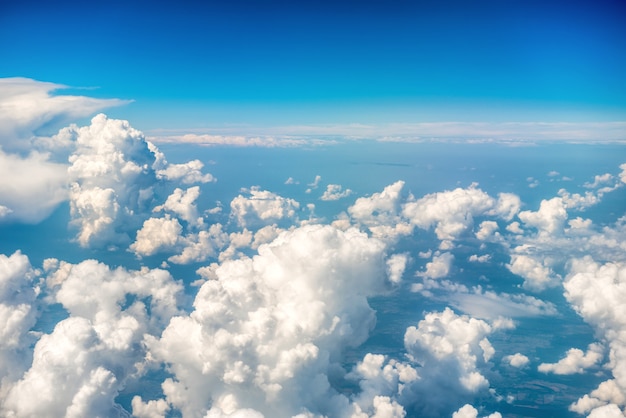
598,293
262,207
265,331
80,367
452,213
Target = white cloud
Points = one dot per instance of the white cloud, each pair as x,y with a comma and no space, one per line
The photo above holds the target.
468,411
599,180
267,141
537,276
79,368
598,293
439,267
30,187
487,231
18,313
450,348
275,322
151,409
517,360
606,411
380,380
335,192
200,246
156,235
453,212
549,218
491,305
262,207
27,105
187,173
396,264
474,258
511,133
380,212
575,361
112,180
182,203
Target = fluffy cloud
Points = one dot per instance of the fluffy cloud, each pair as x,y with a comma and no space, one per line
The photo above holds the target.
156,235
516,360
79,368
276,323
18,313
182,203
598,293
537,276
335,192
396,264
262,207
468,411
30,187
452,212
380,212
439,267
575,361
380,380
187,173
451,350
549,218
112,180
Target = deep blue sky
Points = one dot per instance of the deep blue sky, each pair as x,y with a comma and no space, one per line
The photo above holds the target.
288,62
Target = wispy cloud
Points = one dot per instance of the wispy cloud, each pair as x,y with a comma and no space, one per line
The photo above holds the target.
512,133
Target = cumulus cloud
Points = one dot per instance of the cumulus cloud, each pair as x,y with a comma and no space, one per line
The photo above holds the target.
112,180
262,207
335,192
475,258
536,275
516,360
487,231
182,203
381,380
79,368
452,350
439,267
575,361
380,212
396,264
599,180
157,234
468,411
18,313
597,292
452,212
114,173
549,218
276,322
187,173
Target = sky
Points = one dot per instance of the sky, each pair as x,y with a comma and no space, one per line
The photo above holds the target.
312,210
214,64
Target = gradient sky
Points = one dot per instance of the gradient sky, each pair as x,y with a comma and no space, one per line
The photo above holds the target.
285,62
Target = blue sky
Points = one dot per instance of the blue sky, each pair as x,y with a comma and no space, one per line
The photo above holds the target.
282,63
